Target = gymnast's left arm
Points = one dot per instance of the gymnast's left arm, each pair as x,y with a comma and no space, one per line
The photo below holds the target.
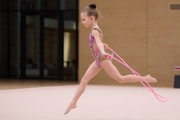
99,43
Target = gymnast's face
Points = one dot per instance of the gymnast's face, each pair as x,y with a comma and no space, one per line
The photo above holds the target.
86,20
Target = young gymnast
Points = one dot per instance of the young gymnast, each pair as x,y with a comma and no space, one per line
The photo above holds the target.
89,17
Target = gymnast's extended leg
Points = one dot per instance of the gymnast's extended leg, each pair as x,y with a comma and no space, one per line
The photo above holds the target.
90,73
109,67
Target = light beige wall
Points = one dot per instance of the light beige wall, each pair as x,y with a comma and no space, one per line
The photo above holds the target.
163,40
144,33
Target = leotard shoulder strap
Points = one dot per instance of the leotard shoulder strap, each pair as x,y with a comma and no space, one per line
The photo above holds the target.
98,29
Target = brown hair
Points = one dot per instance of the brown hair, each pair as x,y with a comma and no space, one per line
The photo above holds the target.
91,10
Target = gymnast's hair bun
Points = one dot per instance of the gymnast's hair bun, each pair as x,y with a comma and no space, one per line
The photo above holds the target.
93,6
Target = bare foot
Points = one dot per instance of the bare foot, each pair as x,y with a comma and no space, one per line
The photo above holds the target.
150,79
71,106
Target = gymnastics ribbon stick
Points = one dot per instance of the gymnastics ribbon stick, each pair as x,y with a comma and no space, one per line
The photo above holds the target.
135,73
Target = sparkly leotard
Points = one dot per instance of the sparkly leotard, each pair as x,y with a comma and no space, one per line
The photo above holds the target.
94,49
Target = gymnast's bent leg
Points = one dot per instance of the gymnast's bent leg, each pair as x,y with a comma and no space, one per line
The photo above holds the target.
112,71
90,73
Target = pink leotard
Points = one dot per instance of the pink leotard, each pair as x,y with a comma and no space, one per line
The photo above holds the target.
94,49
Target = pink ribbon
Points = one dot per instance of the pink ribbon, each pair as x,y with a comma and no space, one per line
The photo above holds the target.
148,86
